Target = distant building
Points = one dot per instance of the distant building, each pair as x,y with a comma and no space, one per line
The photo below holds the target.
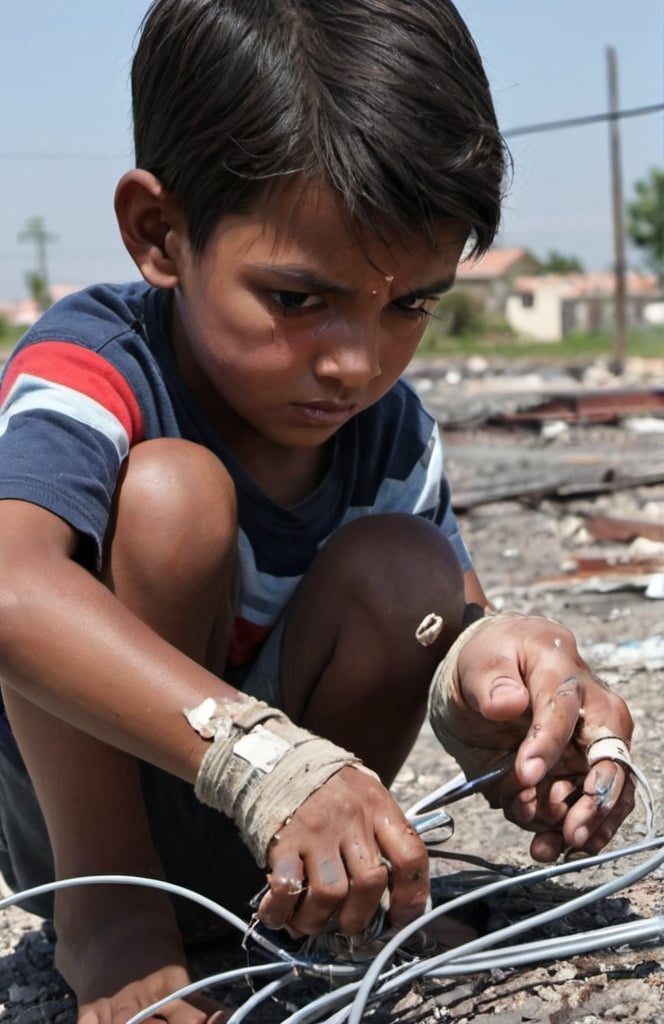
490,279
24,313
547,307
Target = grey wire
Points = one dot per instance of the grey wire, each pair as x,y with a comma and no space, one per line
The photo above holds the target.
222,977
329,1000
424,966
152,883
267,992
304,963
555,948
469,957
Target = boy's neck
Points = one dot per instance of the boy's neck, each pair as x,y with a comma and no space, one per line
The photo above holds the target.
286,475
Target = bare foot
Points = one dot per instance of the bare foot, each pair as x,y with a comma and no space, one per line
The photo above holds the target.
120,951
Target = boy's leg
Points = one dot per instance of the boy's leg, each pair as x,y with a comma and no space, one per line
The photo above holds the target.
172,560
351,667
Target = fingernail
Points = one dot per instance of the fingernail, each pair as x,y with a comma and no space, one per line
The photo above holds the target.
532,771
581,837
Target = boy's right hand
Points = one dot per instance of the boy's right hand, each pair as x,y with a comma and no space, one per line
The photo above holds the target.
333,860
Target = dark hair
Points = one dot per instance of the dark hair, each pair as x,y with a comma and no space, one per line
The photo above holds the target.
385,100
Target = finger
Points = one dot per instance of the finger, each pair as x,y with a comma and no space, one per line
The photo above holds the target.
327,888
409,876
369,879
556,702
609,826
546,847
490,681
604,713
607,798
592,820
540,673
538,807
286,881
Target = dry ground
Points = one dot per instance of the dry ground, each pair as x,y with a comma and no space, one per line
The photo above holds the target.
516,545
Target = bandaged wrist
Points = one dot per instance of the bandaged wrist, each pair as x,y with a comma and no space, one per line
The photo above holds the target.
444,696
260,767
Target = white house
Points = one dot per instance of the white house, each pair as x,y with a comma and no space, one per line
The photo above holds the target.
490,279
547,307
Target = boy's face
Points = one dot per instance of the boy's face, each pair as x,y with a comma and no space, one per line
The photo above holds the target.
294,319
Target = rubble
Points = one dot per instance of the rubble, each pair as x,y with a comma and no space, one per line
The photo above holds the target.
572,497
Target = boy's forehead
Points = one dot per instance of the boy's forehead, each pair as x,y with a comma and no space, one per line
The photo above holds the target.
310,219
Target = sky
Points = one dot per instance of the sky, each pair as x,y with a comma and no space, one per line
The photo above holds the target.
65,131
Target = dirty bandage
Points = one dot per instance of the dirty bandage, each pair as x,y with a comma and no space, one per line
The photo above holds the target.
260,767
475,761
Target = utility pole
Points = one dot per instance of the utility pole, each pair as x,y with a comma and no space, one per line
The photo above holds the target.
620,292
35,231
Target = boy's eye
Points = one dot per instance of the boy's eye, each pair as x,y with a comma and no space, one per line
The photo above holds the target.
293,302
414,306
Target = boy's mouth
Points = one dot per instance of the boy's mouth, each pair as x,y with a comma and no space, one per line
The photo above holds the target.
326,413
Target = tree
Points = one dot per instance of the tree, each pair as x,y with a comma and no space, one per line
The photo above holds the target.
645,220
557,263
37,280
38,289
460,314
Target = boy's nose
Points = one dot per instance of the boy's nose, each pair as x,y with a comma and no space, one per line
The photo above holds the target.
349,356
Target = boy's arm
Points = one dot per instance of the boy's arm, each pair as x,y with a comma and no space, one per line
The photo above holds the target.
521,684
473,590
70,647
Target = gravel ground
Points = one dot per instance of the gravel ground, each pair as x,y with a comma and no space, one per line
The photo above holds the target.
521,549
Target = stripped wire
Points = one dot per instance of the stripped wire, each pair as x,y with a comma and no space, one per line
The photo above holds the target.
348,1002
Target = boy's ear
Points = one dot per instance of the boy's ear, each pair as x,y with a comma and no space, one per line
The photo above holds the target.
152,227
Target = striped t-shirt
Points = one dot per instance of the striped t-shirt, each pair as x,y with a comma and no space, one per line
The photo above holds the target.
95,375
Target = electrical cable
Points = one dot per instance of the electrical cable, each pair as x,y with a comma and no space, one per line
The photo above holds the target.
574,122
413,971
348,1002
268,991
529,129
556,947
151,883
220,978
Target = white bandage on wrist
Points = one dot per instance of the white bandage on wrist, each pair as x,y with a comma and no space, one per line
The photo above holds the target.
260,767
475,761
443,696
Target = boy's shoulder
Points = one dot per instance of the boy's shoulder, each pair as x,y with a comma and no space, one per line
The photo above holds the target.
92,316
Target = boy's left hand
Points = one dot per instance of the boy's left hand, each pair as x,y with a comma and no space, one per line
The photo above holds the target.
522,683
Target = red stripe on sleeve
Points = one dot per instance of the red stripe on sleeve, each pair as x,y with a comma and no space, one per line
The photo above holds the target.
246,640
82,370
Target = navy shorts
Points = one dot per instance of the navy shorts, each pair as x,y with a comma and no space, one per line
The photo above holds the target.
198,847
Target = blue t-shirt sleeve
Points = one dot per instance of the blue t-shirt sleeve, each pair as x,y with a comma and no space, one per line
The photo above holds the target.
67,421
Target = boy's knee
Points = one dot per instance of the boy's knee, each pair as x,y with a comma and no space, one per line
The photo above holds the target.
174,497
399,560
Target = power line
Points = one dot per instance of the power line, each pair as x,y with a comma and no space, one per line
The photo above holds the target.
572,122
63,156
545,126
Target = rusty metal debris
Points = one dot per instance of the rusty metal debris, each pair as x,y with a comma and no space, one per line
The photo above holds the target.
603,574
560,489
613,528
609,406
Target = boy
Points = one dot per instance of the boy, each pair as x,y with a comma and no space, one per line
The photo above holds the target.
220,500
